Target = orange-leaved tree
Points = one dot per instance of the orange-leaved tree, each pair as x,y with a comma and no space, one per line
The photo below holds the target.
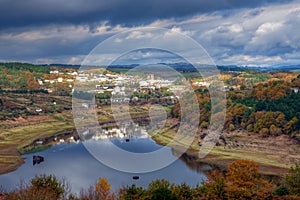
103,189
243,182
215,185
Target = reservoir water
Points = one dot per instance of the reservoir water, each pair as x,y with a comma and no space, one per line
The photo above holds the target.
72,161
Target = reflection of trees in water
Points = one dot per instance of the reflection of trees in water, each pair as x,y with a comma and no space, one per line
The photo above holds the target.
191,161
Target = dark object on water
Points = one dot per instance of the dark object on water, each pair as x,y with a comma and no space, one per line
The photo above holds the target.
37,159
127,140
135,177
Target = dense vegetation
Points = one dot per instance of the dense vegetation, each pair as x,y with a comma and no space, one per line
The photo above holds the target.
268,108
263,103
241,181
21,76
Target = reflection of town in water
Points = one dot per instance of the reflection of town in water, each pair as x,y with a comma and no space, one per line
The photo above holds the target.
124,131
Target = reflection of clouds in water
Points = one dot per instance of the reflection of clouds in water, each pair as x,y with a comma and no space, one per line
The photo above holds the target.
82,170
130,144
123,131
132,161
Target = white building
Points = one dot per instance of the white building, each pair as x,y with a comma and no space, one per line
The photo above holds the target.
54,72
70,80
82,78
201,83
40,82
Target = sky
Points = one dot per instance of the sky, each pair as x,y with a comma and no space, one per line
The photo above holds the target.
232,32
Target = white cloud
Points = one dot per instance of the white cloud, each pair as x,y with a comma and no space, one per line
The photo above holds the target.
181,31
139,35
236,28
268,27
253,60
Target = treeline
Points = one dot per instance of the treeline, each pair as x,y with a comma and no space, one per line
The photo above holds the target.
24,91
241,181
272,90
21,76
249,78
270,108
16,66
287,105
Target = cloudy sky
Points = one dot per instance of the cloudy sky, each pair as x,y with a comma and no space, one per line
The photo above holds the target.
231,31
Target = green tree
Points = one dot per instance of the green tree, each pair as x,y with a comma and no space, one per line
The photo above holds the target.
183,191
264,132
231,127
49,182
163,194
275,130
291,125
132,193
160,189
292,180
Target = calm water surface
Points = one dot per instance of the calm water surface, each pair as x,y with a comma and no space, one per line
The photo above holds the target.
73,161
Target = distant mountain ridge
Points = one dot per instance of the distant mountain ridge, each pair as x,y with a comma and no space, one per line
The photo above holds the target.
179,66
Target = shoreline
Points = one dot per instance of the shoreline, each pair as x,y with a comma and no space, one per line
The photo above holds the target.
220,157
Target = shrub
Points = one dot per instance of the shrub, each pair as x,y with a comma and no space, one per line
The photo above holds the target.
292,180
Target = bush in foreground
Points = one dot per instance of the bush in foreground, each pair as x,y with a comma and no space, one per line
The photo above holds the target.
242,181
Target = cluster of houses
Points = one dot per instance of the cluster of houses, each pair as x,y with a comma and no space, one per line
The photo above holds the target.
201,83
104,82
115,82
58,77
224,88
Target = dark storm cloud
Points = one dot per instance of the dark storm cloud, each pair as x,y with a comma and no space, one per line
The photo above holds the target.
17,13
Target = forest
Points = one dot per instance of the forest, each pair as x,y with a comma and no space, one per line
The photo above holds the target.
266,103
268,108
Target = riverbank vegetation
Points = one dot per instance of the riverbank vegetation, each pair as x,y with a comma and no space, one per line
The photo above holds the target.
262,110
241,181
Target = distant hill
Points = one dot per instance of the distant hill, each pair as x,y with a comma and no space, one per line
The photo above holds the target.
182,67
63,66
275,68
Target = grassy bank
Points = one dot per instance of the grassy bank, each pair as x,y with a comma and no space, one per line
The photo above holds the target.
14,139
275,155
19,133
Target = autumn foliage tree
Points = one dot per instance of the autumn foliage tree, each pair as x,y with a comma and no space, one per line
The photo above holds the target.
103,189
45,187
243,182
215,185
